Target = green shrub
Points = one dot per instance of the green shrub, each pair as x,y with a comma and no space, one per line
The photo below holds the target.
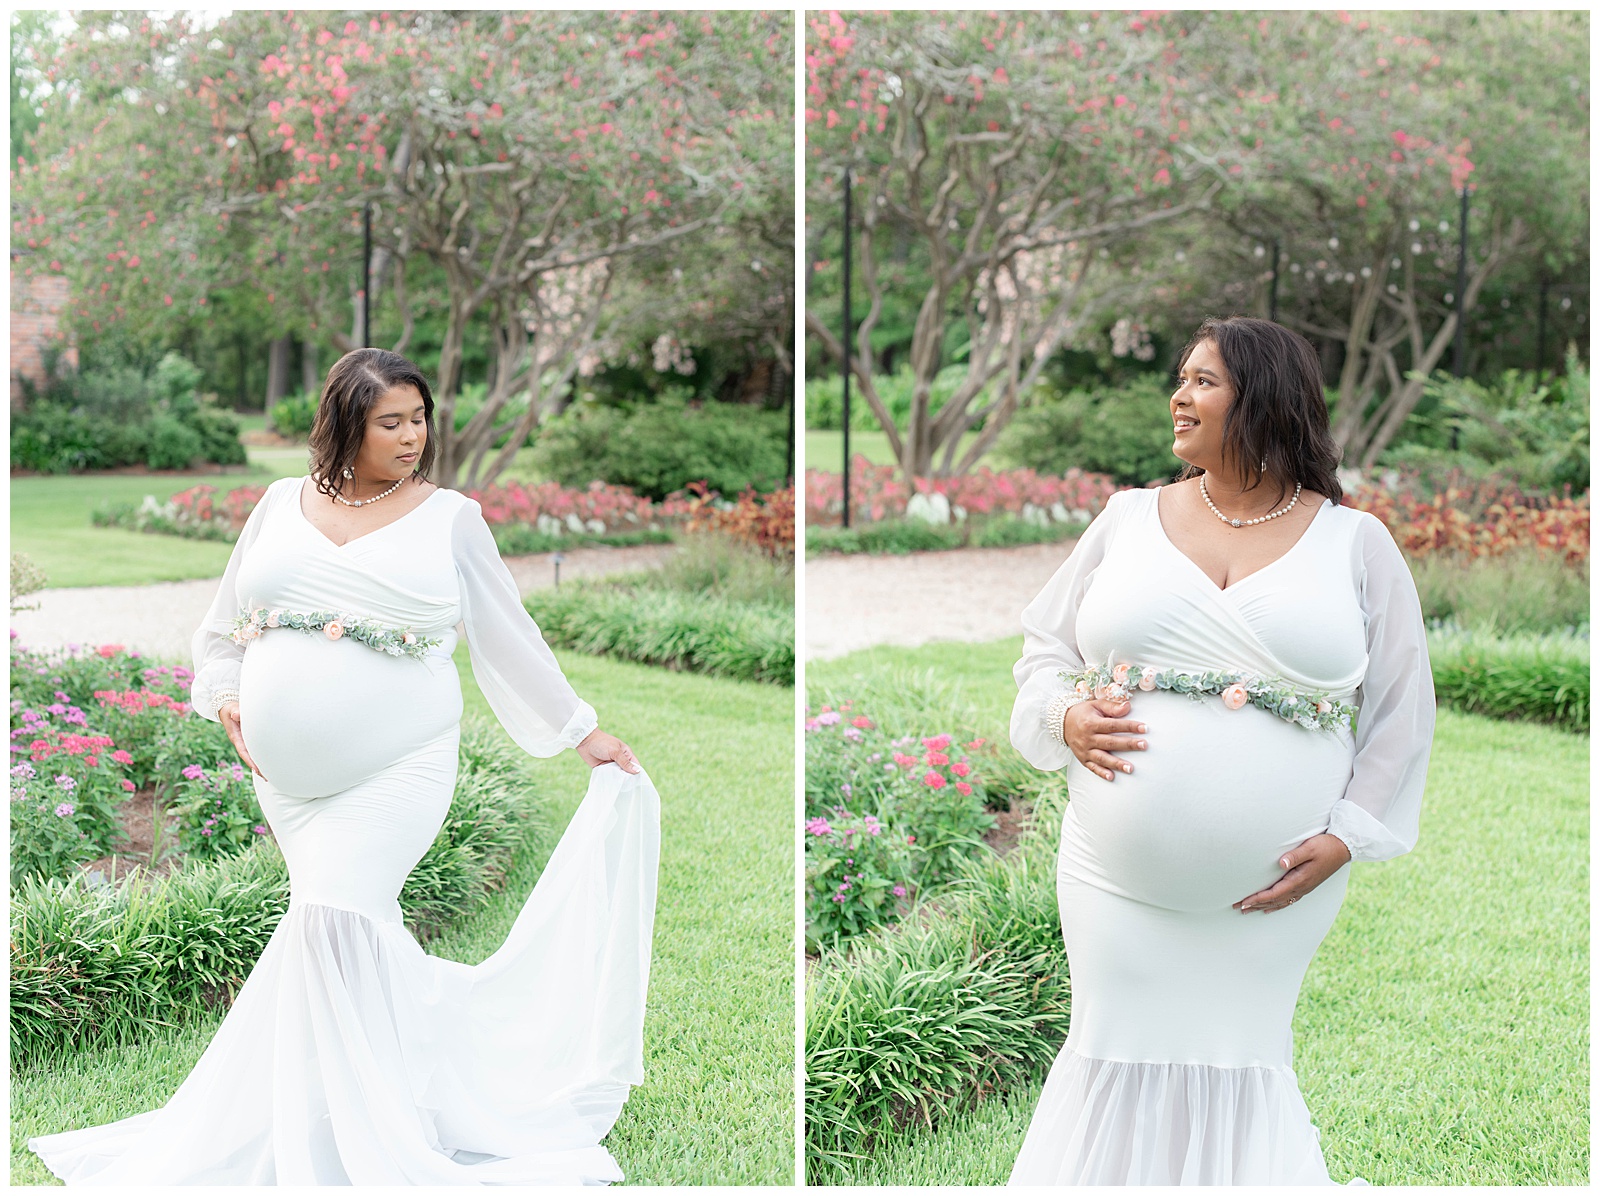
219,436
173,444
896,537
1540,678
294,414
662,447
1525,591
518,539
858,875
217,812
1125,431
46,438
715,563
95,964
701,634
825,399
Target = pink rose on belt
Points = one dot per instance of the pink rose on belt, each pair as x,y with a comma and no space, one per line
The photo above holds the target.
1147,679
333,630
1235,696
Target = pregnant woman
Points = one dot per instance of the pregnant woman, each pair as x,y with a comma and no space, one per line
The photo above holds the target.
350,1056
1194,665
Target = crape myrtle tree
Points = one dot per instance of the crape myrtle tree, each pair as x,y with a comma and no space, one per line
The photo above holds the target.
1374,126
1001,163
526,156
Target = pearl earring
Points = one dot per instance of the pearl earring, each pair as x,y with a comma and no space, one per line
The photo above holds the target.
348,472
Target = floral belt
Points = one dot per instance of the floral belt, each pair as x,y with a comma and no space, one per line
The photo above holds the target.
1309,708
395,641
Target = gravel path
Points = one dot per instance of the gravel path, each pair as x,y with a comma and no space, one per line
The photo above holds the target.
970,595
158,619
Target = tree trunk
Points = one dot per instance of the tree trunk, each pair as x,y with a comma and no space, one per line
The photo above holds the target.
280,354
310,378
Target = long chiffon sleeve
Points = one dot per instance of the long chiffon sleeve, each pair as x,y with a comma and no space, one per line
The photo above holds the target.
514,667
1378,815
1050,645
217,659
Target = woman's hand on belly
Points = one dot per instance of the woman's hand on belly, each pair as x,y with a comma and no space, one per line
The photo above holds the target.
228,713
1095,729
1308,865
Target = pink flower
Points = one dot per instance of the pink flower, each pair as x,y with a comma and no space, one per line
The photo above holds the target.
1147,679
937,744
964,789
109,650
1235,696
333,630
819,827
899,890
194,771
409,637
92,761
903,760
64,810
1120,674
247,633
121,757
128,785
961,768
863,722
934,780
1324,707
273,619
937,758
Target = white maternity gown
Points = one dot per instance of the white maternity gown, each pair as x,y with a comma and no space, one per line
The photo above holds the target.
1177,1067
350,1056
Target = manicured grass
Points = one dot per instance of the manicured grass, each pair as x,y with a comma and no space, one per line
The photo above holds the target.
50,523
716,1105
1442,1031
825,450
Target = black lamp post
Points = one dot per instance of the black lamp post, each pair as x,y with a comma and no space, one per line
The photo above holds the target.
845,405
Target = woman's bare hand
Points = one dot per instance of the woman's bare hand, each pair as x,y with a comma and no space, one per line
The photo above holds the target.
1306,867
599,748
1096,728
228,715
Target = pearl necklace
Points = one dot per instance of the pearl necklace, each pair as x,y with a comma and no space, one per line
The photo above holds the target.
1246,522
361,502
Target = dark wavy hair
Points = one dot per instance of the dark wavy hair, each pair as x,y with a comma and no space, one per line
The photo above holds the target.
353,384
1279,414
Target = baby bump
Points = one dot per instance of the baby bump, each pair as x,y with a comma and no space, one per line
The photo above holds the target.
320,715
1209,808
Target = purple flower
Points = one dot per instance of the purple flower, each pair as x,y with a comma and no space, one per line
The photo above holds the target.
852,733
845,789
205,830
56,708
63,696
194,772
66,783
24,770
899,890
260,830
838,898
64,810
827,718
818,827
238,772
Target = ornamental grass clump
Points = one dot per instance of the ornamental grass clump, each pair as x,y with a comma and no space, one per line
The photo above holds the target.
1542,678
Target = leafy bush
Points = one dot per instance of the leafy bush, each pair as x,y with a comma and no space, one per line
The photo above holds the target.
714,563
1540,678
120,416
663,447
825,399
700,634
95,964
1526,590
26,578
895,537
48,833
294,414
858,872
217,811
518,539
1124,431
68,764
1536,436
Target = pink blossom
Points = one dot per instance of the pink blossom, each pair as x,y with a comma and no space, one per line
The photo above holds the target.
333,630
964,789
961,768
934,780
899,890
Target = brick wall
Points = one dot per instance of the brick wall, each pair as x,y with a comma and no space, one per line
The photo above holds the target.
36,303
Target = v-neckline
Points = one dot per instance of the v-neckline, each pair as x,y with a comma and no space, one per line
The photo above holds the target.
1155,512
299,494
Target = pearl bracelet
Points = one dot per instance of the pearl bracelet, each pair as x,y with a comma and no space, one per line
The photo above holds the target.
1056,711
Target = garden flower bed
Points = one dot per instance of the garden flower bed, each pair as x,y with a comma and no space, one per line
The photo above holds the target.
96,961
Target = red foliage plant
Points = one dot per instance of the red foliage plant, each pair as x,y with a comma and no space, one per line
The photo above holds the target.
1484,519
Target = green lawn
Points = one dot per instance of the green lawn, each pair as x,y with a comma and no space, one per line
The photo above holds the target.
825,450
716,1105
1442,1031
50,523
